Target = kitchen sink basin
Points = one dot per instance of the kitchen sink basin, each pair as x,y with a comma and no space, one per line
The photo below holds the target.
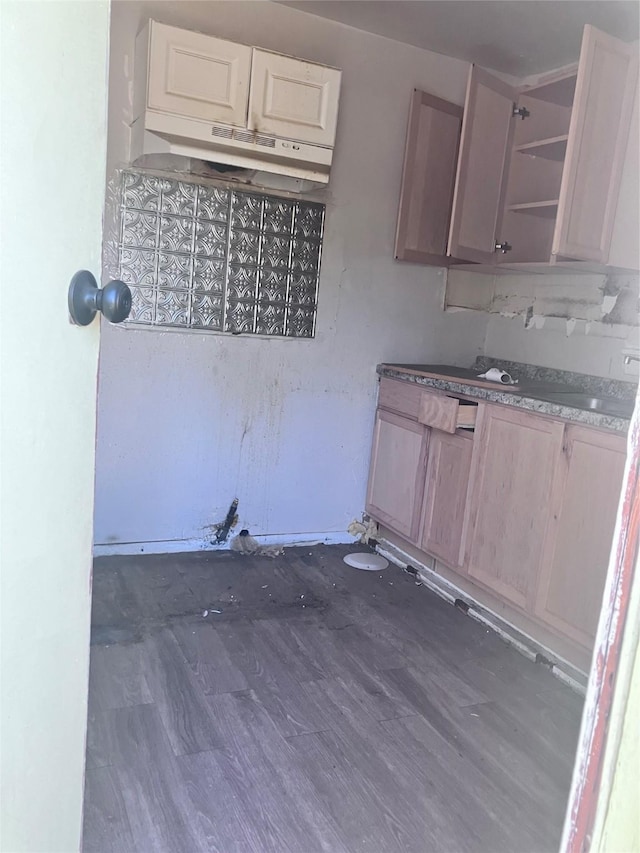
579,400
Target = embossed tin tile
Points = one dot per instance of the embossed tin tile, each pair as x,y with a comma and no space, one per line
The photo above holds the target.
270,319
140,229
278,216
207,311
276,251
272,285
242,282
173,307
213,203
301,322
244,247
219,259
140,192
138,267
143,305
240,315
303,290
176,233
211,239
178,198
246,211
209,274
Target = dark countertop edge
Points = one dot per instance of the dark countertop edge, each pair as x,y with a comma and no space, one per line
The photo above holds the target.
511,398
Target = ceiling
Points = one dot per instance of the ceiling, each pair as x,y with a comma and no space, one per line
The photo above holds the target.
517,37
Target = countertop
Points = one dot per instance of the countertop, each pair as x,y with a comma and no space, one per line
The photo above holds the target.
527,394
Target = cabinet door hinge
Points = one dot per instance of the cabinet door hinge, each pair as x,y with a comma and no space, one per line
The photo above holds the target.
503,247
521,112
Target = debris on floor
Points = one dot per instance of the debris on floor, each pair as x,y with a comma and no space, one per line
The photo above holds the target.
364,530
244,543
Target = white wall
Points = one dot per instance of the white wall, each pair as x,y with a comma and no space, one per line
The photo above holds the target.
188,421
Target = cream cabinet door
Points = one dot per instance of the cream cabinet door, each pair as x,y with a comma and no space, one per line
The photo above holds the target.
600,119
428,176
512,500
397,473
573,575
445,504
485,150
293,99
196,75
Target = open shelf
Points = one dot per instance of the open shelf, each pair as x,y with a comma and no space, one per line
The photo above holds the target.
559,91
552,148
546,209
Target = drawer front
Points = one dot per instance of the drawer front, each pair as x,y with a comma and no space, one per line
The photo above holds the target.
446,413
401,397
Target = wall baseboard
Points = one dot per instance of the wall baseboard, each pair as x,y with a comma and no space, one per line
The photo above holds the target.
180,546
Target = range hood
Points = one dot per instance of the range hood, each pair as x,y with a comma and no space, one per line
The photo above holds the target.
249,114
233,152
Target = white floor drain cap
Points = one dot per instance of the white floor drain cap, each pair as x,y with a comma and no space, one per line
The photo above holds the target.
366,561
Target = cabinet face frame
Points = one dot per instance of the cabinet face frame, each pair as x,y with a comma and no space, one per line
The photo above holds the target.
408,528
428,178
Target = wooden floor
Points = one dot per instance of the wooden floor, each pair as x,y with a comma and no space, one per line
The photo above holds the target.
323,709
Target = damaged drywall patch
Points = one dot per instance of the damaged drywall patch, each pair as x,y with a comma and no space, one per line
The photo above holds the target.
223,527
533,321
621,301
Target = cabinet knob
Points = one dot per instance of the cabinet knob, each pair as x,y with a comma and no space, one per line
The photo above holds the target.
503,247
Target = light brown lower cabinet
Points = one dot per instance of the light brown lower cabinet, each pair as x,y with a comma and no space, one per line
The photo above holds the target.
397,473
574,567
510,500
445,500
525,506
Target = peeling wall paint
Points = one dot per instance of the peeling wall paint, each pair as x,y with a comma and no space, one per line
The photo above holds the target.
546,319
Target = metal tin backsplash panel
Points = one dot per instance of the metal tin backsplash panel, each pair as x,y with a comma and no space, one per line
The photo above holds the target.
218,259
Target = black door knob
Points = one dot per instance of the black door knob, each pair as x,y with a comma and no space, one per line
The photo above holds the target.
86,299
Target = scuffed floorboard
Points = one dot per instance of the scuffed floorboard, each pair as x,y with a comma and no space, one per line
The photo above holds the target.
322,709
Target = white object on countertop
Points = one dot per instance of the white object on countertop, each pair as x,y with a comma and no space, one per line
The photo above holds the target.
494,374
367,562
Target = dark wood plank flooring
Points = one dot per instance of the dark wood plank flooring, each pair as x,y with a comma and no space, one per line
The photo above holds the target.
323,709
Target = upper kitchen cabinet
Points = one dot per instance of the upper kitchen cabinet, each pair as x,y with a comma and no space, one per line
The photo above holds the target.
552,192
538,176
195,87
192,75
428,176
293,99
